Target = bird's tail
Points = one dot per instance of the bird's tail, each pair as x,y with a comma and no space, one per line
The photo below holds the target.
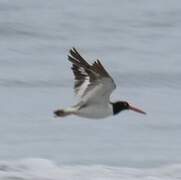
64,112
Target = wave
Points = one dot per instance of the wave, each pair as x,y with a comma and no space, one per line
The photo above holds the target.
42,169
143,79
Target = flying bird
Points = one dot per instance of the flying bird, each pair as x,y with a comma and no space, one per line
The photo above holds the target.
93,85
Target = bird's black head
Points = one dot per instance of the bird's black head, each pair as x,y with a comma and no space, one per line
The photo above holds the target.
123,105
120,106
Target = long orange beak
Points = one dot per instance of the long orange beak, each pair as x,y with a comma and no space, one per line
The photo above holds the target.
136,110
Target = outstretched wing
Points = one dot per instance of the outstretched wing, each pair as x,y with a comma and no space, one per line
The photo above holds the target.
92,82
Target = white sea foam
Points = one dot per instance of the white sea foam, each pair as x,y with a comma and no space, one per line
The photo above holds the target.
42,169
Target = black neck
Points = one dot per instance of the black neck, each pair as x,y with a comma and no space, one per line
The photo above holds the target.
116,108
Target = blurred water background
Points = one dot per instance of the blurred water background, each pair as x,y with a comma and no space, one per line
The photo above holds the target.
138,42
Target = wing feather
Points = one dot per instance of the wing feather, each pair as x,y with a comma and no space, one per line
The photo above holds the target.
91,81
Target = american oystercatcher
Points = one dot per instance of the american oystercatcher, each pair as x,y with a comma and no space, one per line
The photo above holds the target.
93,85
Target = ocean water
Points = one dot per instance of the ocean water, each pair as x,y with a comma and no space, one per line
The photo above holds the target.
138,42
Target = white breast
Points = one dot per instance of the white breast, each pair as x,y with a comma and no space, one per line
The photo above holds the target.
95,111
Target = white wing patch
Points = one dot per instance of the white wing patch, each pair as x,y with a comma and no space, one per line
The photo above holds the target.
83,87
100,91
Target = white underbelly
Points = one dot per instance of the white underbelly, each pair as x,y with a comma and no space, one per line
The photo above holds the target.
95,111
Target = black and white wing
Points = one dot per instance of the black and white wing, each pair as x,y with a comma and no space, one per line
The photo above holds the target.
92,82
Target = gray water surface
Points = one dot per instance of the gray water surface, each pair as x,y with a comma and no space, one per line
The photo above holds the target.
137,41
